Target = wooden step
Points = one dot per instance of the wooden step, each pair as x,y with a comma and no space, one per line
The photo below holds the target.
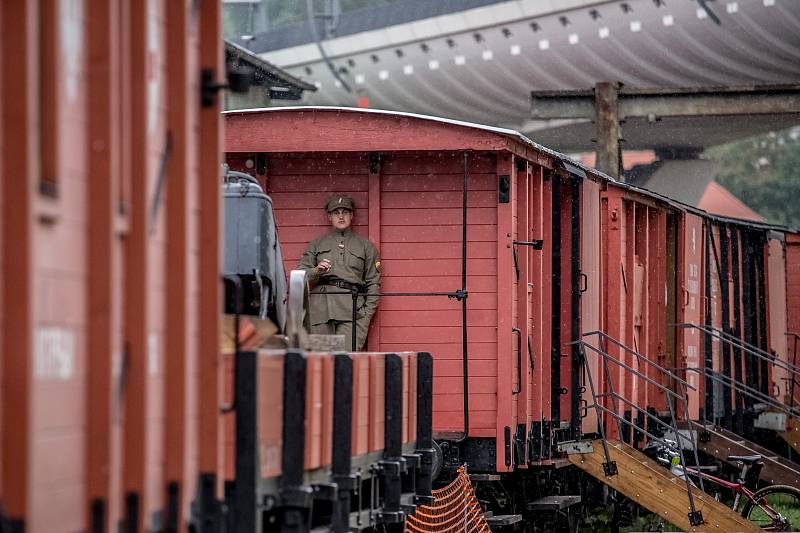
502,520
721,443
792,434
553,503
658,490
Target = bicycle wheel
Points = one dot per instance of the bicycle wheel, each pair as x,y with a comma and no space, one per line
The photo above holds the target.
774,508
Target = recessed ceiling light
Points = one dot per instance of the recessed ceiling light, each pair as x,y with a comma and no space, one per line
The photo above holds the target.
544,44
433,64
732,7
769,3
515,49
408,70
573,38
487,55
459,60
701,13
603,32
668,20
360,78
383,75
636,26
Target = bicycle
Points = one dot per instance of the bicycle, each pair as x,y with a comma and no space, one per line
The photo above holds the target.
772,508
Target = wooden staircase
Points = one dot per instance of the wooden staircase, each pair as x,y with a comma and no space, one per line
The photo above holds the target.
655,488
721,443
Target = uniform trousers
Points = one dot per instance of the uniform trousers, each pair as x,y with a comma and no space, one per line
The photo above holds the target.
344,327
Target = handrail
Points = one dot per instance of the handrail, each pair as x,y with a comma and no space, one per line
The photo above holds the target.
742,388
635,372
617,398
658,367
796,337
736,342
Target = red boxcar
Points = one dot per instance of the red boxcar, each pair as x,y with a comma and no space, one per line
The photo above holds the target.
615,259
407,175
106,338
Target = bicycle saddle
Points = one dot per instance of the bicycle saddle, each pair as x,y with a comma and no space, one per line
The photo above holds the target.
747,459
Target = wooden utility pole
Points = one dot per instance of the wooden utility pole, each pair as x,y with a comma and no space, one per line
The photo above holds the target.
607,128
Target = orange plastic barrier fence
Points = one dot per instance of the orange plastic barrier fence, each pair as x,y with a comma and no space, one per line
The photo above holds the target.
456,509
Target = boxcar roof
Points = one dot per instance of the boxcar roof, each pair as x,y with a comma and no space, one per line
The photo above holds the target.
347,129
374,133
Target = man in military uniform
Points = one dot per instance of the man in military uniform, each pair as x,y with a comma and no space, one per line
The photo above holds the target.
337,262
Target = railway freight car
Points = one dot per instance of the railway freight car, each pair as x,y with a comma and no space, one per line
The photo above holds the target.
525,273
307,435
114,401
109,157
480,233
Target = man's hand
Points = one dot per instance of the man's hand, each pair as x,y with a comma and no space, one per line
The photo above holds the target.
323,266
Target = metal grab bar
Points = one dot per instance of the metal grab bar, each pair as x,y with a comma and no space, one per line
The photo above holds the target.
518,388
795,338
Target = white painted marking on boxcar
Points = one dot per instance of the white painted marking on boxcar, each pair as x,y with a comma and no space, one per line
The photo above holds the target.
153,355
55,353
71,19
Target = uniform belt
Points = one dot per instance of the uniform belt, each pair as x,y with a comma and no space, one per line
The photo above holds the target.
342,284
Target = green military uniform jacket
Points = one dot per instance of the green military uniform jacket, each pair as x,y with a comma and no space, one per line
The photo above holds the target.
354,259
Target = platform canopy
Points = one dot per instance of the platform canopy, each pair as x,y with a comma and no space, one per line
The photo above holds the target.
480,60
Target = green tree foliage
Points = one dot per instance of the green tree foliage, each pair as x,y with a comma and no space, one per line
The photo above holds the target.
245,18
764,172
285,12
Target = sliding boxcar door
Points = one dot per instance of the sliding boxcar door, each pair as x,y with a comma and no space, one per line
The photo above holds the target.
690,339
590,289
776,301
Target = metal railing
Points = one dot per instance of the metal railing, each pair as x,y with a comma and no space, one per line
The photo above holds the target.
741,389
600,398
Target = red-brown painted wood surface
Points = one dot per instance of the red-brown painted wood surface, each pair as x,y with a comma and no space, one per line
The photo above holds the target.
19,175
777,321
420,250
793,296
565,312
691,301
103,451
545,388
657,295
524,283
180,341
613,228
591,304
506,315
209,56
81,298
270,408
350,131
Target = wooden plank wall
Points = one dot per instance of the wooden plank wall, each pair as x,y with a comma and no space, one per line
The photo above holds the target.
83,259
419,217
